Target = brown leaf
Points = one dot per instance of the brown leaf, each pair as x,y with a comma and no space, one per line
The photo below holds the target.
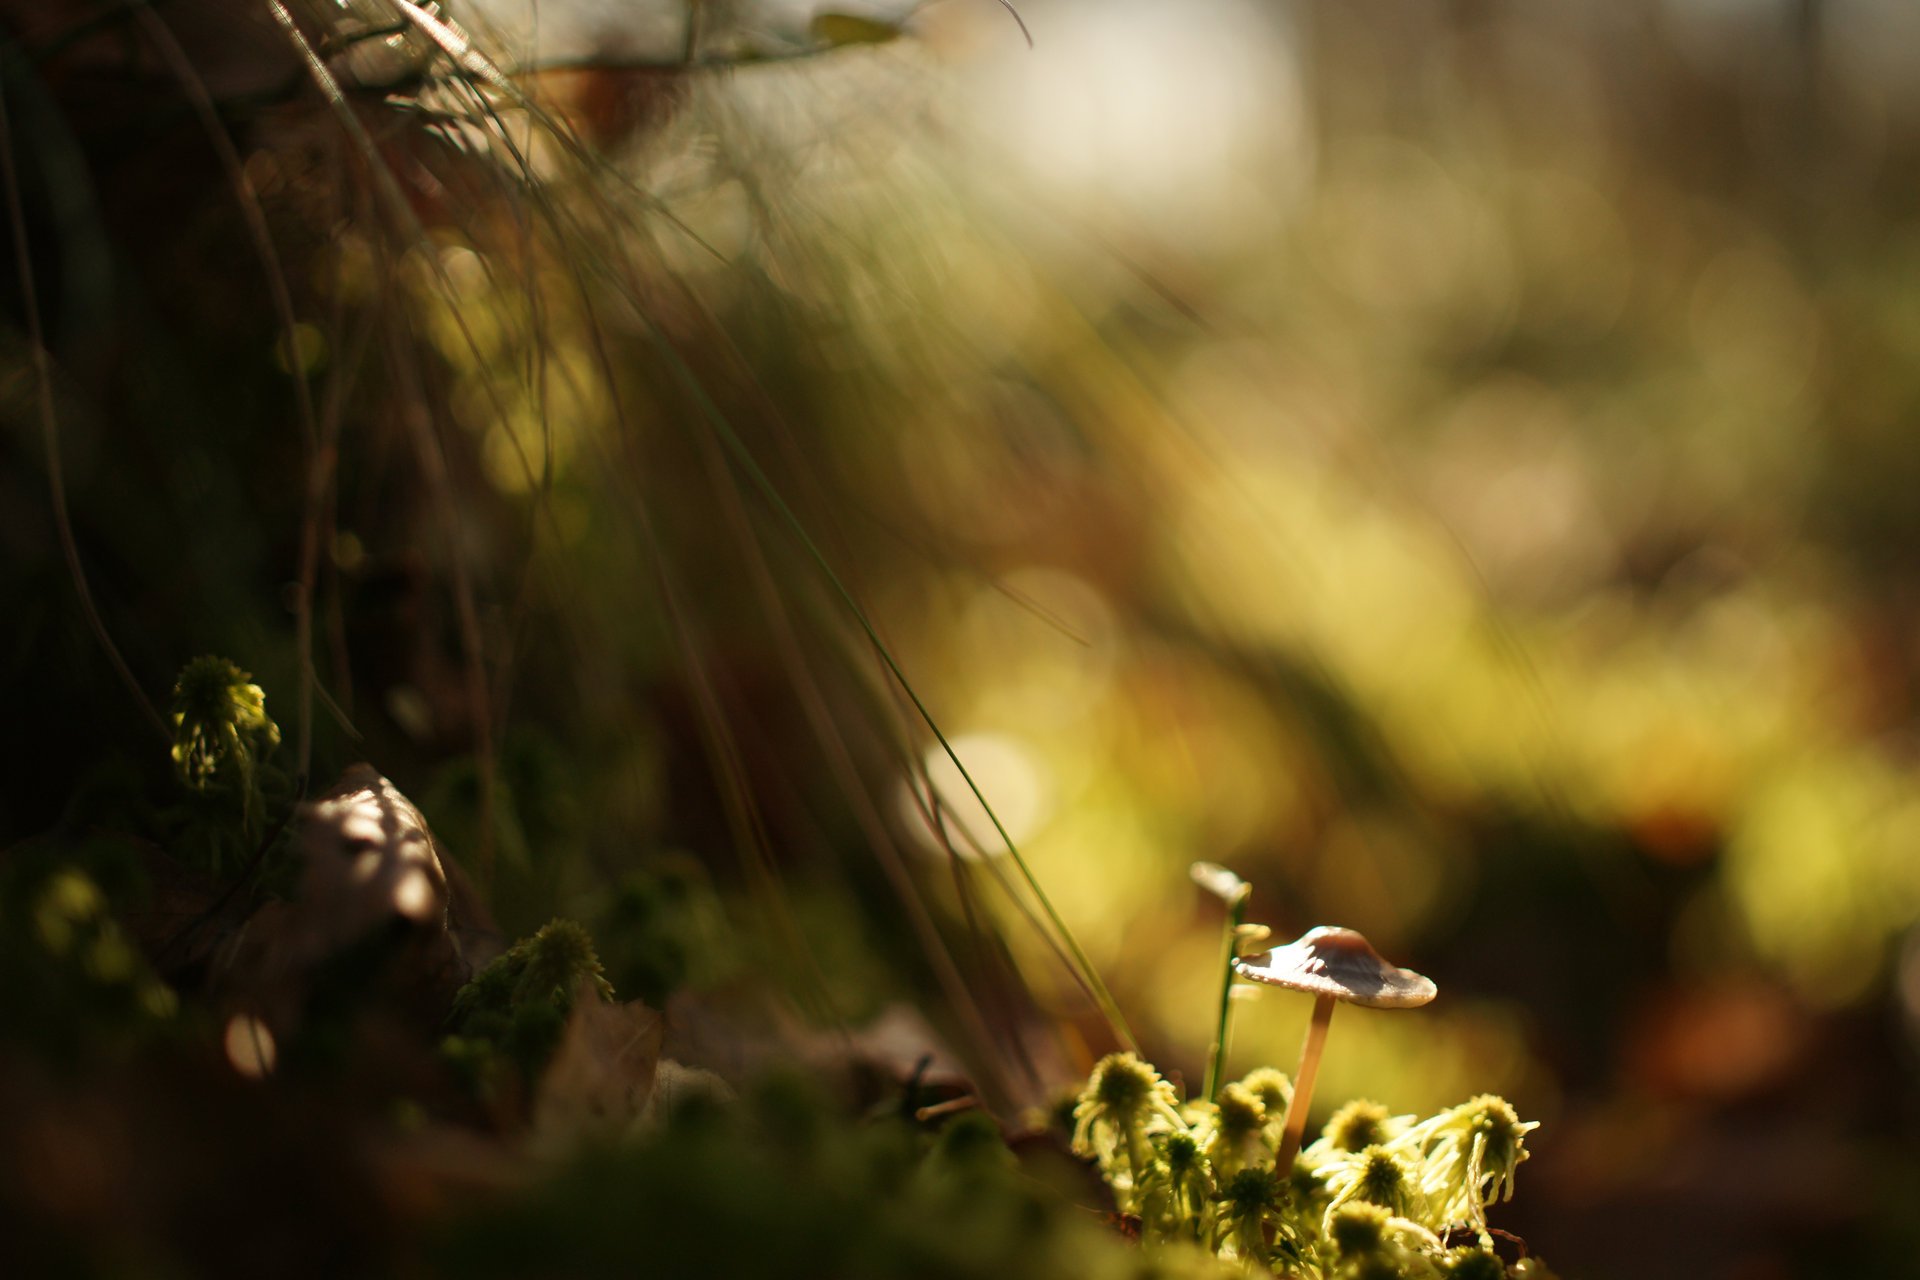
370,874
367,856
675,1083
601,1076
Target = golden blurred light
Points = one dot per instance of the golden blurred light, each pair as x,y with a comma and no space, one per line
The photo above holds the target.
1392,229
1106,862
1182,1000
465,271
1043,645
1204,751
991,471
249,1046
1511,478
1223,412
1580,266
1153,112
1753,328
1378,877
715,227
1821,864
1005,771
1870,45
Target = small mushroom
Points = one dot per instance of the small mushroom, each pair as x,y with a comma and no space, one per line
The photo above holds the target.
1330,964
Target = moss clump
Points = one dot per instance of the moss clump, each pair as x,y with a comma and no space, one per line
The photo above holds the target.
221,730
222,739
1359,1230
1376,1196
1358,1125
73,980
1271,1086
516,1008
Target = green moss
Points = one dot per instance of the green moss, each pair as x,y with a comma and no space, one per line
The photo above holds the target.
1357,1125
516,1008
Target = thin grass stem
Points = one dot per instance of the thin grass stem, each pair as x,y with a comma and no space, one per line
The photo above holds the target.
1217,1051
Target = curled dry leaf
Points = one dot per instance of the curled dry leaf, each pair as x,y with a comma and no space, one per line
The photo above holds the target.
675,1084
602,1075
367,856
371,876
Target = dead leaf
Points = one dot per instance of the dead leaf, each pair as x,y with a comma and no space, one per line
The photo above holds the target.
674,1085
367,856
375,908
602,1075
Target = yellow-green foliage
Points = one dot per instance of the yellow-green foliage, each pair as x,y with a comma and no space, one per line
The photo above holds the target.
220,724
516,1008
1376,1195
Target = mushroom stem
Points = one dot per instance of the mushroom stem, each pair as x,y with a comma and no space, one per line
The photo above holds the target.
1296,1126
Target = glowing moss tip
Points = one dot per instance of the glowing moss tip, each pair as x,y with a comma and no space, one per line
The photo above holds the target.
1250,1205
515,1010
1473,1264
1375,1175
1382,1179
1375,1196
1358,1125
219,720
1495,1127
1123,1083
1472,1153
1180,1151
1124,1103
1271,1086
1251,1192
556,958
1359,1230
1241,1112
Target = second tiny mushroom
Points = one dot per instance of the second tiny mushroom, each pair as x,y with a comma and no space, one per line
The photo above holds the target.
1331,964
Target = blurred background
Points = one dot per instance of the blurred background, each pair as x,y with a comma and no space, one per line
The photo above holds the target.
1451,463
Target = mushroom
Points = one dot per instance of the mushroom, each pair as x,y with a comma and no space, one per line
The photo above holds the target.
1330,964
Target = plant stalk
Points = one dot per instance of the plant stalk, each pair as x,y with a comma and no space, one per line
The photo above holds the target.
1217,1051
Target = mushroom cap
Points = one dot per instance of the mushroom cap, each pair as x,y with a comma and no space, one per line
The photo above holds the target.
1340,963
